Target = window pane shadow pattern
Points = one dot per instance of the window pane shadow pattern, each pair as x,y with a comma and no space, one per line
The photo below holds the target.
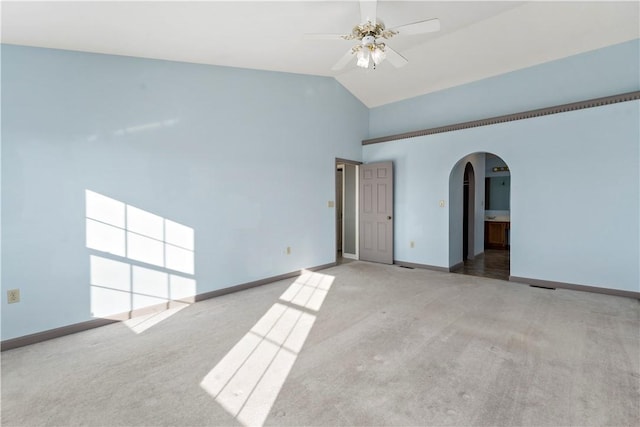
141,263
248,379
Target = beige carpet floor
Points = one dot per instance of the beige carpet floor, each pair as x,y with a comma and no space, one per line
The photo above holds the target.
358,344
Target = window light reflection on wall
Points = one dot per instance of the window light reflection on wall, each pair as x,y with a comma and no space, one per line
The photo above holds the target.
124,230
119,286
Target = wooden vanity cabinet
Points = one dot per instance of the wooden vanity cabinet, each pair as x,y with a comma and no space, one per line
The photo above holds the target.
495,234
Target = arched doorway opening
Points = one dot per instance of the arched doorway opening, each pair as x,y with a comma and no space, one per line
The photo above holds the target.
480,216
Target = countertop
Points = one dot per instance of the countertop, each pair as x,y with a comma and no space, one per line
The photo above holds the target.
497,218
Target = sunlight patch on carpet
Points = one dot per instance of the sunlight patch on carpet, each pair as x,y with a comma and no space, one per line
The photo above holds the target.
247,381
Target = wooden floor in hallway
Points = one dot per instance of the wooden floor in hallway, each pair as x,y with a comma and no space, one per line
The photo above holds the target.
493,263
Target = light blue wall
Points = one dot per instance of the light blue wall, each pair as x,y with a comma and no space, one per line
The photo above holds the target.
245,158
574,176
574,202
593,74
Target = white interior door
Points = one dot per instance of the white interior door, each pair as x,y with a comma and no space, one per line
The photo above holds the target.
376,212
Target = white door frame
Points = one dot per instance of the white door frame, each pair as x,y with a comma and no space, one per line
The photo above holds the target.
357,164
357,201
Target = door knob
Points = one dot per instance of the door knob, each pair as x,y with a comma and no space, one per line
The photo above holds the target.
389,217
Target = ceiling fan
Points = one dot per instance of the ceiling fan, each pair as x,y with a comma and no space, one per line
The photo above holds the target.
371,50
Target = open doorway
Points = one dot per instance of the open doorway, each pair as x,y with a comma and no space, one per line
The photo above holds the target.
346,210
468,212
339,209
481,245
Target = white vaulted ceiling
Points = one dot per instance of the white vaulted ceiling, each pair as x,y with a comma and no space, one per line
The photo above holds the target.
478,39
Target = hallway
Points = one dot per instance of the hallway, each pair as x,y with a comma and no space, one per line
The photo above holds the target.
494,263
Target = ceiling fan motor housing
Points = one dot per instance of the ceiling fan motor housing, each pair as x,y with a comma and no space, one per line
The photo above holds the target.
368,41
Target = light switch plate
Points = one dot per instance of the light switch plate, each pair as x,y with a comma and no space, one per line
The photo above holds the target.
331,203
441,203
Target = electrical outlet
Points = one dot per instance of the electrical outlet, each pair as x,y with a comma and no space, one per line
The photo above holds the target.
13,296
412,244
288,250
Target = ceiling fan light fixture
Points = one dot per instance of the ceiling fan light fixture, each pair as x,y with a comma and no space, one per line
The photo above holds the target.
370,51
363,58
378,54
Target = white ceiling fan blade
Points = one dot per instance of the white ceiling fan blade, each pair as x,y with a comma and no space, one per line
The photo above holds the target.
427,26
323,37
368,11
343,61
395,58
